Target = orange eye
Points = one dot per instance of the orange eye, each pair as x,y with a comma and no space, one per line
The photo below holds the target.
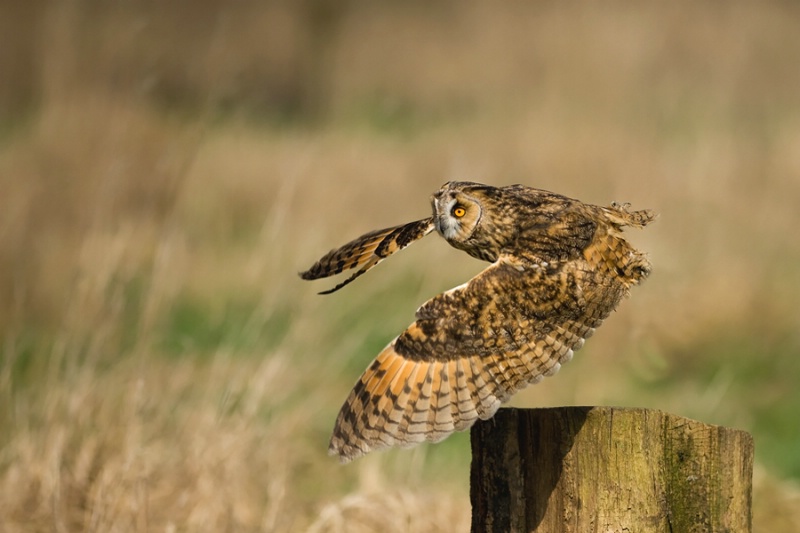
459,211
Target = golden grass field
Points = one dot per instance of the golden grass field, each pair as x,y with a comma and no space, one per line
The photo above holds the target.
166,170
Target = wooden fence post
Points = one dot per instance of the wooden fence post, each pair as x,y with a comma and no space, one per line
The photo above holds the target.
606,469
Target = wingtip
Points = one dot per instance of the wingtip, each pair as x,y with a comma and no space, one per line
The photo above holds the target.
341,459
308,274
340,455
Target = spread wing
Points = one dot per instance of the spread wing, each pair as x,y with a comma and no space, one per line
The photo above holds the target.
367,251
469,350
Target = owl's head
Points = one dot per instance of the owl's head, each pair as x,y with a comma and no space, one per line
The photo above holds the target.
457,209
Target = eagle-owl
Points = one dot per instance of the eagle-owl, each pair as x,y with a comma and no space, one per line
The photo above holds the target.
558,268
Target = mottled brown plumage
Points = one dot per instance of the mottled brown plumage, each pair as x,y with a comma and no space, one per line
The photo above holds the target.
559,267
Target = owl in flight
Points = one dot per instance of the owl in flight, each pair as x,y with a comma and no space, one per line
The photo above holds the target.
558,268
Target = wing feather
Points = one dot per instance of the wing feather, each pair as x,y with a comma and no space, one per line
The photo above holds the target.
464,402
469,350
441,418
367,251
421,406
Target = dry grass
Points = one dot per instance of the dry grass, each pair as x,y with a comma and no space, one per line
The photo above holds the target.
165,176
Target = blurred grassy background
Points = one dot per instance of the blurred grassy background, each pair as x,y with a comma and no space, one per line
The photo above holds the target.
167,167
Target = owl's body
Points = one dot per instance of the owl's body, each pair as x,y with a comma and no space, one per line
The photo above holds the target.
559,267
